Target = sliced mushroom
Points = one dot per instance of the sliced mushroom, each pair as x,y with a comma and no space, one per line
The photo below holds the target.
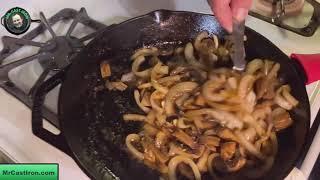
227,150
227,135
232,165
282,120
185,139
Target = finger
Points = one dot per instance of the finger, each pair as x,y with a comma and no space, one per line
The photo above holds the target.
240,9
222,11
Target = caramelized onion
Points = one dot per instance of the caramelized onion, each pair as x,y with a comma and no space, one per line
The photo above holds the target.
245,85
161,139
176,91
176,150
254,65
209,88
150,130
185,138
249,146
174,162
154,101
137,99
188,53
136,66
134,117
144,52
222,117
202,162
199,38
131,138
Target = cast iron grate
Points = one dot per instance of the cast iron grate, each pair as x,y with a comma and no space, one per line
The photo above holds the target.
308,30
53,55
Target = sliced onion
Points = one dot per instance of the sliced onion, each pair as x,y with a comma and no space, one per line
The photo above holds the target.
144,86
232,82
174,162
161,139
137,99
225,107
146,99
245,85
136,66
151,117
199,38
176,150
144,52
249,146
129,139
209,88
154,101
156,69
175,92
134,117
200,124
252,122
250,134
267,66
181,123
150,130
254,65
281,101
188,53
274,71
224,118
202,162
286,94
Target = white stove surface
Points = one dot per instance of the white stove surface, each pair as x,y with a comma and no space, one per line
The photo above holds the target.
16,138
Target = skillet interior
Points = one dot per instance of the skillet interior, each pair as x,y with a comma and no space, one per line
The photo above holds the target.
91,121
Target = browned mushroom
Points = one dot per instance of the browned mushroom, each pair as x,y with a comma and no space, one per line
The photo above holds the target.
185,138
281,119
227,135
209,140
232,165
227,150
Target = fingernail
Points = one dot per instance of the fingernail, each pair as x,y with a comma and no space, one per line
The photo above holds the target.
241,14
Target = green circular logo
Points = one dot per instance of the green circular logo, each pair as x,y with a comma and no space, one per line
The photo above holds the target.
16,20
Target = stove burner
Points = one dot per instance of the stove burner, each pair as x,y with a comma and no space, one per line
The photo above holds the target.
274,11
274,7
53,55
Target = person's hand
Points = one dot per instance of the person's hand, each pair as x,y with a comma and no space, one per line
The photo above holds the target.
227,10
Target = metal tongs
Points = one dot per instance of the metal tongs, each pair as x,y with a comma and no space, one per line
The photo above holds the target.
238,53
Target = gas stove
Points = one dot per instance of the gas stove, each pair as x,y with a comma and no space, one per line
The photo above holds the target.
63,35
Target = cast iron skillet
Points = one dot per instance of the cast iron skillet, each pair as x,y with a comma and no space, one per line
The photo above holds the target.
93,131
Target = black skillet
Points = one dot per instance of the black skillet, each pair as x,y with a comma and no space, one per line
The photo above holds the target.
92,130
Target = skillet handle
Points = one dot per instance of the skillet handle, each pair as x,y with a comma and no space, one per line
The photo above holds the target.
59,140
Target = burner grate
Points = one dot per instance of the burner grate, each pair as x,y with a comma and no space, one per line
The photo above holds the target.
53,55
277,18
